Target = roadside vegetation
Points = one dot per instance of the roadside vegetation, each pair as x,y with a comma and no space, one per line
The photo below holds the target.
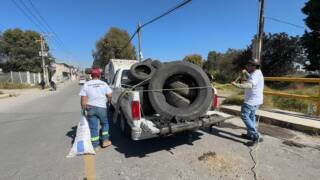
235,97
9,85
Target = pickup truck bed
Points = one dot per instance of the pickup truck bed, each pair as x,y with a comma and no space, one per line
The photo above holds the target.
137,126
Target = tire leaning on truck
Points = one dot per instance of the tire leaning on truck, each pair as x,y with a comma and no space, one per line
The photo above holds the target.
190,72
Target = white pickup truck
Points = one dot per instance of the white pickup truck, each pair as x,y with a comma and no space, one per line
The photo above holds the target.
127,106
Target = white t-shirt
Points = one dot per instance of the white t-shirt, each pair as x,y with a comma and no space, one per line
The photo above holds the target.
254,96
96,91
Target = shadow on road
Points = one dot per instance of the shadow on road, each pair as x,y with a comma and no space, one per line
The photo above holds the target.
225,134
72,133
142,148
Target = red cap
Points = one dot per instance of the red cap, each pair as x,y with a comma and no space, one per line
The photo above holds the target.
95,73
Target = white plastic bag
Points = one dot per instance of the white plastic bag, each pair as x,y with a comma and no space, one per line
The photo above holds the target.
82,143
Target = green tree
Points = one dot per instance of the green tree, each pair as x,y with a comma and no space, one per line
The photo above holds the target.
194,59
279,52
311,40
212,61
19,51
226,72
113,46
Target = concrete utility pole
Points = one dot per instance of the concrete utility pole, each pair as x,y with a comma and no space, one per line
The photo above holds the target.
43,54
139,43
258,42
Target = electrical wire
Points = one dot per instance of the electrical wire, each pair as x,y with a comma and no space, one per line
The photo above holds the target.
28,16
39,21
285,22
48,26
155,19
3,27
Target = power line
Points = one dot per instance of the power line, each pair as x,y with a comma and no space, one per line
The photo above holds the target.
3,26
34,16
166,13
285,22
40,23
46,23
155,19
27,15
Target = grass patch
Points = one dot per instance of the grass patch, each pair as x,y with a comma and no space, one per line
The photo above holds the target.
227,88
289,104
9,85
234,100
276,102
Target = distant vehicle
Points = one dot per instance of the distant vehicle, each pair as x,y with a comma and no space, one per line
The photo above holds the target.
82,80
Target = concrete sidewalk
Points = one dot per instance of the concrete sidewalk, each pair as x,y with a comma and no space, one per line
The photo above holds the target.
300,123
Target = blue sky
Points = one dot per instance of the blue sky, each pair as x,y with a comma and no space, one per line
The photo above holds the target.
198,27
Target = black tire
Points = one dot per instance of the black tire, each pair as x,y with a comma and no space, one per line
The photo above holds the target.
182,89
176,100
146,106
198,106
148,60
141,71
156,64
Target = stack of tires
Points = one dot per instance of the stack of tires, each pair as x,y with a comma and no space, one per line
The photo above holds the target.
177,91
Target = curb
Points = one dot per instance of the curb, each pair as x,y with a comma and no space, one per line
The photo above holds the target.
309,129
2,96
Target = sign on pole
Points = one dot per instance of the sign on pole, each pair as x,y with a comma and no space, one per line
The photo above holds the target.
44,54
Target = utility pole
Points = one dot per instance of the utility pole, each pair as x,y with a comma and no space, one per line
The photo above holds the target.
258,42
139,42
42,58
42,53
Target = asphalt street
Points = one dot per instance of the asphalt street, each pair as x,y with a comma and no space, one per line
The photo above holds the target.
36,136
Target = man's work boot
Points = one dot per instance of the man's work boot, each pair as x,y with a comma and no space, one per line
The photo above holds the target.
106,143
246,136
254,142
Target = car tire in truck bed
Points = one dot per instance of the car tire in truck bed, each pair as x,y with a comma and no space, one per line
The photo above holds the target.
195,77
156,64
141,71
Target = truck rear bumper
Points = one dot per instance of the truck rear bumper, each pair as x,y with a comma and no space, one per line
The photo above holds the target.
211,118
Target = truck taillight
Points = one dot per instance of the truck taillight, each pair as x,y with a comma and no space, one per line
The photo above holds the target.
215,101
135,109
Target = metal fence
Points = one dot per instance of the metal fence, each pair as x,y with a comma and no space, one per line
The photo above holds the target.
21,77
315,98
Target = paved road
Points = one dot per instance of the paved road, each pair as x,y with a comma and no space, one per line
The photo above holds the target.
36,136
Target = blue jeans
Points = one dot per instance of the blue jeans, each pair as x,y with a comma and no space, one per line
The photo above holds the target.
248,116
95,114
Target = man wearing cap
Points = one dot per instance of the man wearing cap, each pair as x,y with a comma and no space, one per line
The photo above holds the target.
252,100
94,95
